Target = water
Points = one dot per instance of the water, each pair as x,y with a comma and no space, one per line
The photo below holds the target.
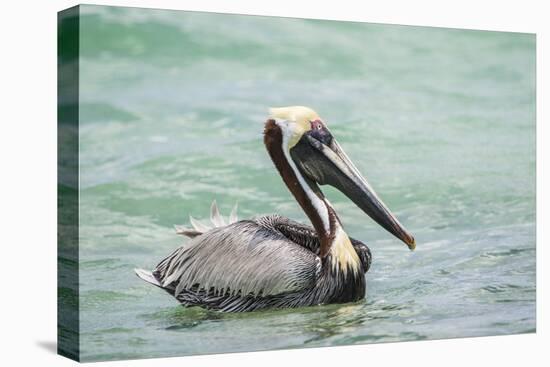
441,122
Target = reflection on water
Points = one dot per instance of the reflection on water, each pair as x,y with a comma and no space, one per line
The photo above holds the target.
440,121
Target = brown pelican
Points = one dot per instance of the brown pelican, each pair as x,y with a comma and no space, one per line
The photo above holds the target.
272,261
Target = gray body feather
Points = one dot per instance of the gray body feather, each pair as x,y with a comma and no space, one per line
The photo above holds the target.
243,258
271,261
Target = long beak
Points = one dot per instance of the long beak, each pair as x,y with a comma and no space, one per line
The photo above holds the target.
337,170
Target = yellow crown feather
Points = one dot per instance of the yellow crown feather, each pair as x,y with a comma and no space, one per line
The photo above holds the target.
298,116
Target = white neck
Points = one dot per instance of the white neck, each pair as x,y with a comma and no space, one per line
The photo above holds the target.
319,204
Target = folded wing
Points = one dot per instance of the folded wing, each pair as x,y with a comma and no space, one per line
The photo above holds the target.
243,258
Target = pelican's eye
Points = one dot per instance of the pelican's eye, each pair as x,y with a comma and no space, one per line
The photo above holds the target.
320,132
316,125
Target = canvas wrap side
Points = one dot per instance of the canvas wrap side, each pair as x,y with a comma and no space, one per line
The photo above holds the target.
68,322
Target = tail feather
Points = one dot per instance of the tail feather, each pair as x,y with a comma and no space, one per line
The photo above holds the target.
147,276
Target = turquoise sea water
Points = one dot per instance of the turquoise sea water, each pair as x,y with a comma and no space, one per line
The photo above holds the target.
441,122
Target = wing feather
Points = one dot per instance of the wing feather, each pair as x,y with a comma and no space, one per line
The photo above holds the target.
215,216
233,216
241,258
198,225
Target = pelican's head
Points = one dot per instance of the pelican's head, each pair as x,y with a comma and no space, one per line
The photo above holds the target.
320,159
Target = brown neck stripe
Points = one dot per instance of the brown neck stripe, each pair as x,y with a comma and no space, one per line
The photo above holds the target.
273,140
